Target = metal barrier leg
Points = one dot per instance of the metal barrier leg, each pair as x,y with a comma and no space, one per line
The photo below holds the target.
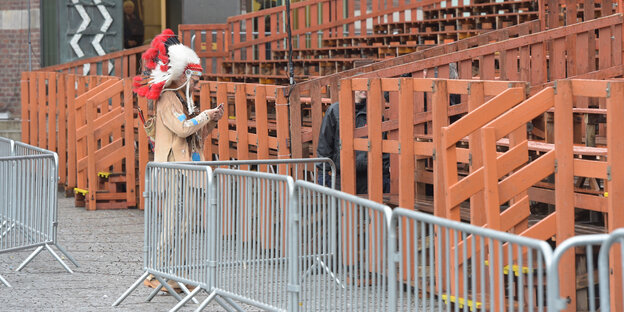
7,230
231,302
186,299
206,301
188,292
153,293
58,259
171,291
63,251
131,289
4,281
32,255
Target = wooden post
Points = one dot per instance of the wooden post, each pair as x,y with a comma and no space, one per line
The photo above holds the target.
375,158
492,207
62,127
262,127
128,100
41,109
564,180
347,124
316,107
406,143
223,124
71,134
281,109
476,98
143,153
439,104
242,140
615,182
25,109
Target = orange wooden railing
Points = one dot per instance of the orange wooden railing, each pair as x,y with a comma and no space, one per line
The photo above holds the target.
124,63
329,84
249,36
210,42
86,120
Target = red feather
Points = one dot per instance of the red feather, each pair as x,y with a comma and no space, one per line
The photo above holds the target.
164,68
142,91
154,92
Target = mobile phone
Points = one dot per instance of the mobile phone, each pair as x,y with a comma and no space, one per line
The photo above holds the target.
219,106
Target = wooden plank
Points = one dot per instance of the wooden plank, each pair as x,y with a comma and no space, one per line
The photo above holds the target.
375,159
129,141
101,157
439,104
564,179
483,114
25,109
316,108
590,168
91,173
615,183
262,129
71,132
242,144
476,99
42,109
527,176
222,124
62,127
406,141
282,118
491,199
143,152
347,124
515,214
521,114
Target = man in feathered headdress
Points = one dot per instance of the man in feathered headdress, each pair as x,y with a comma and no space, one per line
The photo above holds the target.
171,71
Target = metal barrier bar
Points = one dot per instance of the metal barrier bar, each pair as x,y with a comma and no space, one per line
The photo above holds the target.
341,263
176,227
555,301
437,263
157,200
251,244
616,236
6,147
28,216
307,169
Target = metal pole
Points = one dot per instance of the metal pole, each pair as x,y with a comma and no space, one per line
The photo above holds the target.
29,43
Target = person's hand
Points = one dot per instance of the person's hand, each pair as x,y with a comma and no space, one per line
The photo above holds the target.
215,113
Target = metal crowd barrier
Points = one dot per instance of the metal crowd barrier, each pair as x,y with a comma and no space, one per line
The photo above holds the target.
307,169
251,232
191,195
257,239
341,264
604,271
588,242
28,215
451,264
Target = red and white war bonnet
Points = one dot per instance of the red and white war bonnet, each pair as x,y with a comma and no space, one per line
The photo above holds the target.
164,62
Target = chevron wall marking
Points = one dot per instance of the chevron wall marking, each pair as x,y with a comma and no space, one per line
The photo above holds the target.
108,20
86,20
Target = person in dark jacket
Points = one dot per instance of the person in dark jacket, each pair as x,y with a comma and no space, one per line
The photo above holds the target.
133,26
329,146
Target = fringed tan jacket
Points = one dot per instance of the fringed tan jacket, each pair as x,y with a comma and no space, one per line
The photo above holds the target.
179,138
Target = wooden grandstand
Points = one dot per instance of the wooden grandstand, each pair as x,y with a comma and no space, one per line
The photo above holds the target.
555,66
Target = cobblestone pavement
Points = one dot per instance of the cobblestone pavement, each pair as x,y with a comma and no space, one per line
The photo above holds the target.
108,247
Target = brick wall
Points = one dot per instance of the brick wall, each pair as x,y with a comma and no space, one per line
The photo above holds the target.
14,50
